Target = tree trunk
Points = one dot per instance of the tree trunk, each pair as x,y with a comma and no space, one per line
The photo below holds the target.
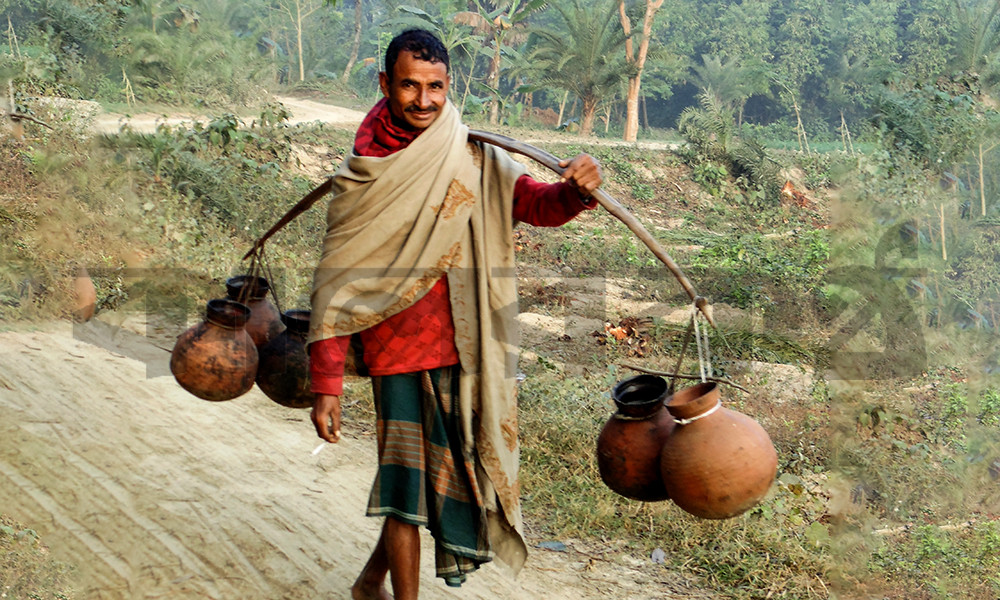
355,44
562,109
494,82
298,40
632,109
465,94
645,115
638,61
589,110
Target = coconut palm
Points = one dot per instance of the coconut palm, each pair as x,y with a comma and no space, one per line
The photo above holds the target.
582,53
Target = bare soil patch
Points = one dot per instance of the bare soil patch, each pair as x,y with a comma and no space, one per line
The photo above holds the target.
153,493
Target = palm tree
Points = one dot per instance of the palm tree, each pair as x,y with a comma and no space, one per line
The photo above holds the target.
582,55
978,41
729,82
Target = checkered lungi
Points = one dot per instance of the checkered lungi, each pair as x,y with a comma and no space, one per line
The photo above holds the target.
423,477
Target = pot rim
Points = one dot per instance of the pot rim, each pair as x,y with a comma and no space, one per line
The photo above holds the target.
296,320
227,313
693,401
647,405
257,290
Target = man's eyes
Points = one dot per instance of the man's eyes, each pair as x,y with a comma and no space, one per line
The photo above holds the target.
412,84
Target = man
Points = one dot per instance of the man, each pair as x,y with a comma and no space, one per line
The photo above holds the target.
418,265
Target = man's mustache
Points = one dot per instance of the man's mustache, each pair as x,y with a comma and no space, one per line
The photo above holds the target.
414,108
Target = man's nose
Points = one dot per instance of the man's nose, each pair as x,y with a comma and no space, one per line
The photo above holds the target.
424,98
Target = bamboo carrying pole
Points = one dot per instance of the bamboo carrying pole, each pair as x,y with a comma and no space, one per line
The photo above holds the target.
604,199
546,160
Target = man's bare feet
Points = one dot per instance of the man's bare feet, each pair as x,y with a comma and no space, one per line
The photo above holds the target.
366,590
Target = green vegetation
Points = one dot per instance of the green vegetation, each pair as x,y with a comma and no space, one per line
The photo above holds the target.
26,569
878,282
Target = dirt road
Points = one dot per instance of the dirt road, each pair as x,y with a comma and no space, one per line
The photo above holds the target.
153,493
302,110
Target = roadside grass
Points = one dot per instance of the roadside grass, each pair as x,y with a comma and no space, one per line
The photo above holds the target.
26,569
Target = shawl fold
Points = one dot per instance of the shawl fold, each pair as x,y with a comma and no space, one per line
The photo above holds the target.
442,206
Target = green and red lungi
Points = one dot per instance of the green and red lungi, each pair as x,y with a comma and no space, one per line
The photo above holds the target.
423,478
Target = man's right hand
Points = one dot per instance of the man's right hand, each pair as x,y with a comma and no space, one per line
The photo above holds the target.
326,417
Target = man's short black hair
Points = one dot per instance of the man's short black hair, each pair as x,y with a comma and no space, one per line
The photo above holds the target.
422,43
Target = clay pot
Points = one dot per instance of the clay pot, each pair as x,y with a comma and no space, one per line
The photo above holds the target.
722,462
265,322
85,295
628,449
216,359
283,371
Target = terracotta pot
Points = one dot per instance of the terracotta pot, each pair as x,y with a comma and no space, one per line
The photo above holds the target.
283,372
628,449
216,359
721,462
86,296
265,321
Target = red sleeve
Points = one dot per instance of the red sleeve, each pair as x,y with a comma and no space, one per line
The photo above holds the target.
547,204
326,365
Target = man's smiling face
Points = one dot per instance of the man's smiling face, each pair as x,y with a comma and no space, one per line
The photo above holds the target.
417,90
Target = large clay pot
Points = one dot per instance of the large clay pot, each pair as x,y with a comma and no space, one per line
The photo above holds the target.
283,372
265,321
628,449
717,463
216,359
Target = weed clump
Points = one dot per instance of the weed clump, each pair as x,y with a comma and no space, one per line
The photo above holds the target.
26,568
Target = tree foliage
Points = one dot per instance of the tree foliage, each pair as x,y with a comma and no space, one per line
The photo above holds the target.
582,55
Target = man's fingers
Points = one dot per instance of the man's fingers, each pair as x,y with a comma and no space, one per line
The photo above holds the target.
582,171
326,417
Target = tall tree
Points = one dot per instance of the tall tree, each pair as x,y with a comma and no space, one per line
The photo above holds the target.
498,18
731,83
355,42
636,62
926,37
579,54
298,12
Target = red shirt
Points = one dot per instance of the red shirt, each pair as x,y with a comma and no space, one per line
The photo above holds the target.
422,336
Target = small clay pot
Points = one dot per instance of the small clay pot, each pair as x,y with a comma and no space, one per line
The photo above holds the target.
265,322
717,463
283,372
628,449
216,359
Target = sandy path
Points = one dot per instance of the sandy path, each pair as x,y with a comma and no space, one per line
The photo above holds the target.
153,493
302,110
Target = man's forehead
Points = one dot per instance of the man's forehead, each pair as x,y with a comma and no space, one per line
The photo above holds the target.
412,64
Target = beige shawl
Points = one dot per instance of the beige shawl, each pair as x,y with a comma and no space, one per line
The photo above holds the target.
441,206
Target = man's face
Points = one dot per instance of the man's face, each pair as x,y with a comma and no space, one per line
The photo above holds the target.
418,89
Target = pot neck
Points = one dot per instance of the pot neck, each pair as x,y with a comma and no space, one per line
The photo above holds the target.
694,401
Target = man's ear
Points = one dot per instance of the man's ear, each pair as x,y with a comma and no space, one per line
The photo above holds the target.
383,83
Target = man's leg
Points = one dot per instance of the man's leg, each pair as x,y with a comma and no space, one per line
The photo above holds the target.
396,553
403,549
370,585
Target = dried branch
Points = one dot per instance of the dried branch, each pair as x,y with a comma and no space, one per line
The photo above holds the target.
679,376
